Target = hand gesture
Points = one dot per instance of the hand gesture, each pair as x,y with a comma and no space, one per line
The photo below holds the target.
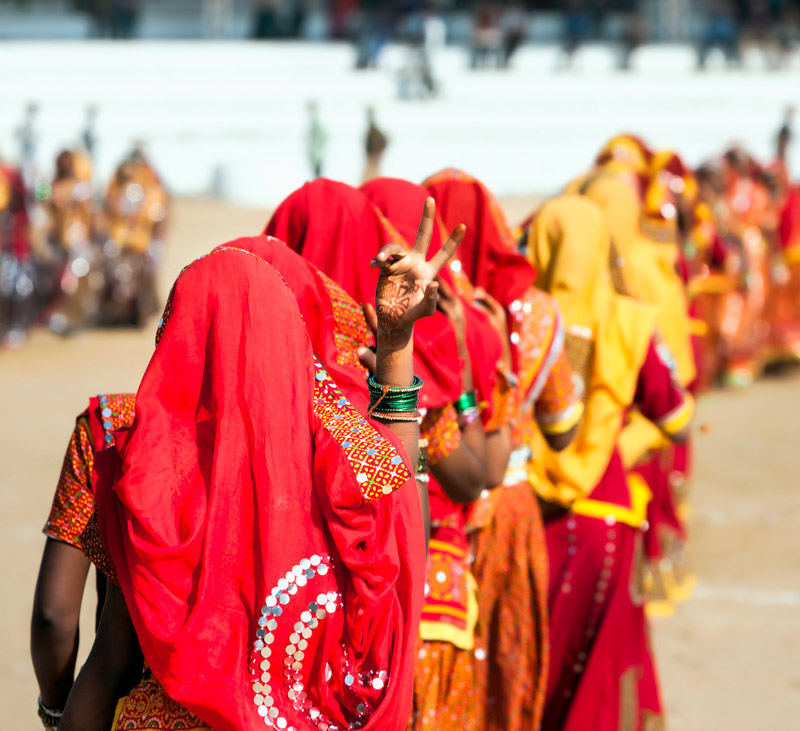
407,290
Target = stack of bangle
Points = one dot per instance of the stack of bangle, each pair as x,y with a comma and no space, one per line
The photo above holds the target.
397,403
50,718
467,408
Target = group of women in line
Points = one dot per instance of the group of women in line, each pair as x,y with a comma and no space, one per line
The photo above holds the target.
378,476
70,260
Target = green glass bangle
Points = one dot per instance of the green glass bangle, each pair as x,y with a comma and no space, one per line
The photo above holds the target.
466,401
379,388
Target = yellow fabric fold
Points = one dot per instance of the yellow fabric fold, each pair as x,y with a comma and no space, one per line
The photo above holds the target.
649,268
635,516
569,244
639,437
441,632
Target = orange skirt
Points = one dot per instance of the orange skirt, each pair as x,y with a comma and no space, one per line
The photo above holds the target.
444,689
511,645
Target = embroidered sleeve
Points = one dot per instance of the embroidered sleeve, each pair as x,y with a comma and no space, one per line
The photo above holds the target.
537,332
350,327
379,468
73,502
93,548
559,406
440,429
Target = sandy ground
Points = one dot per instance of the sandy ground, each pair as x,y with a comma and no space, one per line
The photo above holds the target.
728,657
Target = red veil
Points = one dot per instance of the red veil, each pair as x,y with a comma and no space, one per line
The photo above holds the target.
488,252
269,573
335,337
401,201
336,228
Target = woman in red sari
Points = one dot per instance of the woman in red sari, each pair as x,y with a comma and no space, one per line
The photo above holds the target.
325,216
307,487
594,518
510,551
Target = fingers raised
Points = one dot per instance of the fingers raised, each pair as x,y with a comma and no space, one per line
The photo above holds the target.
441,257
426,227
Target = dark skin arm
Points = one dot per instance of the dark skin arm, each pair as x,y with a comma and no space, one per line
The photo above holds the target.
113,668
55,620
406,292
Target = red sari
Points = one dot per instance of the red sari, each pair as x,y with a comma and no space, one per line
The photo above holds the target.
218,535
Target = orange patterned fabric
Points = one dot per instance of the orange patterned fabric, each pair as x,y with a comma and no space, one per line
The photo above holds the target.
444,689
504,404
557,408
149,707
440,428
511,647
535,328
92,546
350,328
73,502
378,466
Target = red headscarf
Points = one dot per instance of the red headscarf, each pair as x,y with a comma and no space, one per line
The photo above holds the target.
334,339
401,202
336,228
488,252
245,514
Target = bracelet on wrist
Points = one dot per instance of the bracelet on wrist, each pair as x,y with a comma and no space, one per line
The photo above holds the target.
466,401
49,717
398,403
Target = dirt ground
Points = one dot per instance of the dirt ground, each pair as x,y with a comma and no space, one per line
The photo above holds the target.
728,657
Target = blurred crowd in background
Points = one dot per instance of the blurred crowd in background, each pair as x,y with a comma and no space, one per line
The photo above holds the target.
71,254
493,30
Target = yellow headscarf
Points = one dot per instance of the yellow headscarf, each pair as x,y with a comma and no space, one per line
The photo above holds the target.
649,268
569,245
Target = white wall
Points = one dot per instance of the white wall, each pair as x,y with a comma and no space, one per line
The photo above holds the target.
240,108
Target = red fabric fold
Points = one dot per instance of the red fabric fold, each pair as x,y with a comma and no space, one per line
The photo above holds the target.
336,228
230,481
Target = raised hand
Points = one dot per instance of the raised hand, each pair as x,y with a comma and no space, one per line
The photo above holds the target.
407,290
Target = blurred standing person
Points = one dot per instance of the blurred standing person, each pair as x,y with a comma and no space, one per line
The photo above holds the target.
376,144
316,140
512,24
28,142
73,263
88,135
486,38
17,272
577,27
136,210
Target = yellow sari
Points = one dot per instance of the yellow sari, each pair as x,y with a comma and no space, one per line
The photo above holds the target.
649,269
608,338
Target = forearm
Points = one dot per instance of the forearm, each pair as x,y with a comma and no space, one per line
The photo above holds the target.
113,667
55,620
394,357
54,651
498,447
